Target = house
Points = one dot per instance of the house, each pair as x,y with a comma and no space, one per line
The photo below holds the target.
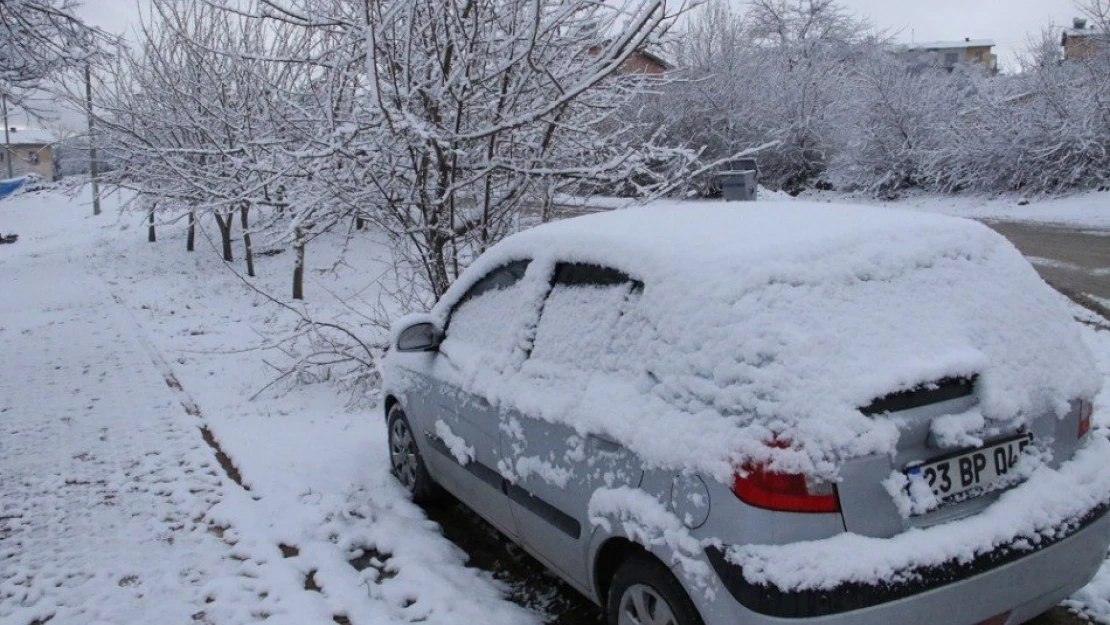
644,62
29,151
640,62
1080,42
949,54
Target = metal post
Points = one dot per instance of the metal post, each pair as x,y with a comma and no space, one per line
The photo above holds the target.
94,168
7,137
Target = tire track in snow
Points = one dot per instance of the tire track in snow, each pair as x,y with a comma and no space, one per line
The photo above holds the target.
192,408
187,402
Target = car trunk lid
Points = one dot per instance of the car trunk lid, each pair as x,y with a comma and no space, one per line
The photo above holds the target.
871,488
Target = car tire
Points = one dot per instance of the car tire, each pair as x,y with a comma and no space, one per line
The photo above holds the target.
645,592
405,460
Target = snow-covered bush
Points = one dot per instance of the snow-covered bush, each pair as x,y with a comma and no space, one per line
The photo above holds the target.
1046,130
772,74
846,108
1043,129
890,124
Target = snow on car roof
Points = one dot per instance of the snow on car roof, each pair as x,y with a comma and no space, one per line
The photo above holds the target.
719,232
764,321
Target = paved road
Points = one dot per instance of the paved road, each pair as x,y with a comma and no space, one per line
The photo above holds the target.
1074,261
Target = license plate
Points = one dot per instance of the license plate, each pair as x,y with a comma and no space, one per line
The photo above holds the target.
974,470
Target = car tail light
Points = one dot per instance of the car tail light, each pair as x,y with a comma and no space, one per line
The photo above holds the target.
785,492
1085,410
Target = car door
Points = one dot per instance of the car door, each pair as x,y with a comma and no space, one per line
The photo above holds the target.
553,469
482,339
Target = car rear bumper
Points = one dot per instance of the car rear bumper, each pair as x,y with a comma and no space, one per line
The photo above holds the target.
1023,582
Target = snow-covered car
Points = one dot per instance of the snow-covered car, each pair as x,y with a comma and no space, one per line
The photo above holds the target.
743,413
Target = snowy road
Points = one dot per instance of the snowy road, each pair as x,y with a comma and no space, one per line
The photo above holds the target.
105,482
1072,259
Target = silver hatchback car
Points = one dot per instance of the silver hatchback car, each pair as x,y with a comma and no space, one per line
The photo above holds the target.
707,413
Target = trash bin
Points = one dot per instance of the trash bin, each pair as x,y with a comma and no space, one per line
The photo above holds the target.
737,186
738,180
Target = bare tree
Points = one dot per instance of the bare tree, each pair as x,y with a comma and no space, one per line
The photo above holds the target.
191,116
891,119
776,72
1098,11
804,29
1042,49
38,40
466,114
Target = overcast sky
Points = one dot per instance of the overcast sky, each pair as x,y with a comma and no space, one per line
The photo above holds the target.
1007,22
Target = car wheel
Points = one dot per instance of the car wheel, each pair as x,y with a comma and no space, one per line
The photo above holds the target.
405,461
645,592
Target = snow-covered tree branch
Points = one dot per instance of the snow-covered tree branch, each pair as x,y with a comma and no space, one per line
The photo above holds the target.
40,39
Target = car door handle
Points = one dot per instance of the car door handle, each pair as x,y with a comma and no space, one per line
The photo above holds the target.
603,444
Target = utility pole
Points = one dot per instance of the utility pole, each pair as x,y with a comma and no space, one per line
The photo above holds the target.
7,136
94,167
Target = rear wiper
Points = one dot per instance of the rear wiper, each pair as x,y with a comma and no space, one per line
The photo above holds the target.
922,395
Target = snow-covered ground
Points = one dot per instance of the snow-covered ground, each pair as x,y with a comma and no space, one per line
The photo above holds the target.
114,510
112,507
1090,209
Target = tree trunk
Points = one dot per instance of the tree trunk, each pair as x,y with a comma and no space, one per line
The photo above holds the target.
545,208
298,266
151,235
190,241
440,277
247,239
225,223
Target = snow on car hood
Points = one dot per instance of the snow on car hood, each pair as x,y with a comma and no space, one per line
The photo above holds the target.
779,321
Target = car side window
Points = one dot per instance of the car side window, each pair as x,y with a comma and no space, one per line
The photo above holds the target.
503,277
582,316
483,316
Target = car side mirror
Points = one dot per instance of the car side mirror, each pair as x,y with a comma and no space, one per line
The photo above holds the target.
423,336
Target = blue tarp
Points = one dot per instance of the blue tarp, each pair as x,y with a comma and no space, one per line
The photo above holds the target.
11,185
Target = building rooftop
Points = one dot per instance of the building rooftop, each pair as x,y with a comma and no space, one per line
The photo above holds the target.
1080,32
18,136
946,45
1079,29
